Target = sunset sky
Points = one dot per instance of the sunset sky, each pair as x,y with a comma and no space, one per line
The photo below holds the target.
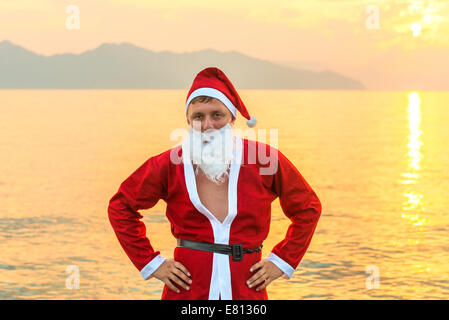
386,44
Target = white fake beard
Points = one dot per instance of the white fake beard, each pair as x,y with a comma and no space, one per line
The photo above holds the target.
212,151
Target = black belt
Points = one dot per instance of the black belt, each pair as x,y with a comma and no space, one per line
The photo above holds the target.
235,250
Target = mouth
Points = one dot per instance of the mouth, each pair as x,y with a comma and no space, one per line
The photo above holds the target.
208,140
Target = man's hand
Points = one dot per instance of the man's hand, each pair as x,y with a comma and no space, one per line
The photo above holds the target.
171,270
268,272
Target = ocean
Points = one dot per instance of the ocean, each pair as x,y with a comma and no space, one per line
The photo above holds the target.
378,161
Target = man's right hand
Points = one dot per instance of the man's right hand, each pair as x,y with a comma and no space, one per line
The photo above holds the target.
173,271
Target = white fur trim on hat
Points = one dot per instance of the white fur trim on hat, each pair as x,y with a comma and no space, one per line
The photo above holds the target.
214,93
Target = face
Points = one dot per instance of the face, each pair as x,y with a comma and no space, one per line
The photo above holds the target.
211,115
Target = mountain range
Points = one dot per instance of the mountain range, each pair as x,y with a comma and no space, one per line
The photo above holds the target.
126,66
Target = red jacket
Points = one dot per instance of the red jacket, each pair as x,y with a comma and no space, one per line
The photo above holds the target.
254,182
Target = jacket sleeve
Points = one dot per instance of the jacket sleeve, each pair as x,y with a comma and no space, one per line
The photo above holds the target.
141,190
302,206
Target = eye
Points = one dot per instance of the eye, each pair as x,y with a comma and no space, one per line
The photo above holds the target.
197,116
218,114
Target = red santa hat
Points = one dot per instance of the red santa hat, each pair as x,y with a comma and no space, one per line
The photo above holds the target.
212,82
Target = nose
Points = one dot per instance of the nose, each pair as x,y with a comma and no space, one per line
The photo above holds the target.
207,124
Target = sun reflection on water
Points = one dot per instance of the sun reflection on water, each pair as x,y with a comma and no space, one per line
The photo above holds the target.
414,199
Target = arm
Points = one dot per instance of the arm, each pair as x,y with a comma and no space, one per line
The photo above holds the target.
302,206
141,190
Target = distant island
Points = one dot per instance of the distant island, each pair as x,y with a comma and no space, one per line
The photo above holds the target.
126,66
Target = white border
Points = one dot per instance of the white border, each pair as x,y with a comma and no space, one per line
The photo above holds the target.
214,93
281,264
220,284
151,266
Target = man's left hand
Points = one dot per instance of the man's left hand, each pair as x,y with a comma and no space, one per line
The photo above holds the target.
267,272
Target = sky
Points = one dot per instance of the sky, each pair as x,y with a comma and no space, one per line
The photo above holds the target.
386,44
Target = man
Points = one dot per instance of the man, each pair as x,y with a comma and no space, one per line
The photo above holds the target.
218,203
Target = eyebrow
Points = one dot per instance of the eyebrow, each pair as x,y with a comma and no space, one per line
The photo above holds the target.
195,113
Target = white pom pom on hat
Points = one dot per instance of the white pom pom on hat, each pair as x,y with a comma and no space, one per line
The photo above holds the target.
212,82
251,122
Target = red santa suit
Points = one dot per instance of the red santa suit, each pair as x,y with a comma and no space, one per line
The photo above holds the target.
252,186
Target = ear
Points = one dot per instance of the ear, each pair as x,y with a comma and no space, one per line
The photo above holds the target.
187,115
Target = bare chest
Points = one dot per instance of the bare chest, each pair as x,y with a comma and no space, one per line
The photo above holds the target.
213,196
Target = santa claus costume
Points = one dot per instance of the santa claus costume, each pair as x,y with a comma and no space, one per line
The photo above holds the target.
251,190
